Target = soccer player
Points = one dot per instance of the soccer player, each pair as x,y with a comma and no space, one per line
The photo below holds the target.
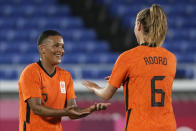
147,73
46,91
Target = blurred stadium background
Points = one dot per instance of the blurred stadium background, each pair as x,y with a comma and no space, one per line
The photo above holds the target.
95,32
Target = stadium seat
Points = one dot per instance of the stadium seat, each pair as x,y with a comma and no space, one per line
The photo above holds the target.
8,74
185,74
95,74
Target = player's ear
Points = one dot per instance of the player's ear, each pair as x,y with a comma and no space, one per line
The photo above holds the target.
41,49
139,25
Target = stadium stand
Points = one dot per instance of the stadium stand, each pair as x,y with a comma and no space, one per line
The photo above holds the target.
20,27
107,28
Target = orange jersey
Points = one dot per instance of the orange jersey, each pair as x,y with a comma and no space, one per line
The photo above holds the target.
54,90
147,75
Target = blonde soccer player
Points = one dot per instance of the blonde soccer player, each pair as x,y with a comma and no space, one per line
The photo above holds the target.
147,73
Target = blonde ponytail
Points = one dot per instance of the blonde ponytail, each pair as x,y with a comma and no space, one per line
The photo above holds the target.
154,23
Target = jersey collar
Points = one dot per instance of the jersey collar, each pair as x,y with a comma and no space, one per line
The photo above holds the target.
50,75
151,45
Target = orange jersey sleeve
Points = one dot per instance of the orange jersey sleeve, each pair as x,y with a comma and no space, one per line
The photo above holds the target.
119,72
30,83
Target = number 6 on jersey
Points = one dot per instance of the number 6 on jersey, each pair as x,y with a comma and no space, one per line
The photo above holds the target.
158,91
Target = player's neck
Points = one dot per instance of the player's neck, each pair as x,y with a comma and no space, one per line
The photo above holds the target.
141,40
49,68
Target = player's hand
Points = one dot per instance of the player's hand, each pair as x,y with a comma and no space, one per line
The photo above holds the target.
107,77
70,111
90,85
99,106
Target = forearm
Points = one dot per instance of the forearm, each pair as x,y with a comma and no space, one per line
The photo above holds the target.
101,93
42,110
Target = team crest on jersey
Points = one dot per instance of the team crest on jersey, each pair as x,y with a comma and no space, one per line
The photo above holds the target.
62,87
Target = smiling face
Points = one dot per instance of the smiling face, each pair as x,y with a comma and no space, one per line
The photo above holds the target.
52,50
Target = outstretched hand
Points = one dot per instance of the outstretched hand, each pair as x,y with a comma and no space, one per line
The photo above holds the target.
105,93
99,106
90,85
70,111
75,113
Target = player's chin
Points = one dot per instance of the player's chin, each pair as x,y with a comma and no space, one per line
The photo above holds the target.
58,61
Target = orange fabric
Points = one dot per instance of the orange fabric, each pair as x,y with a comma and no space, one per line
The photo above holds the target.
151,72
54,91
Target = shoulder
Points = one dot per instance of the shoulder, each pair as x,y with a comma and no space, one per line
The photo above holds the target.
169,53
136,50
63,71
131,52
31,70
